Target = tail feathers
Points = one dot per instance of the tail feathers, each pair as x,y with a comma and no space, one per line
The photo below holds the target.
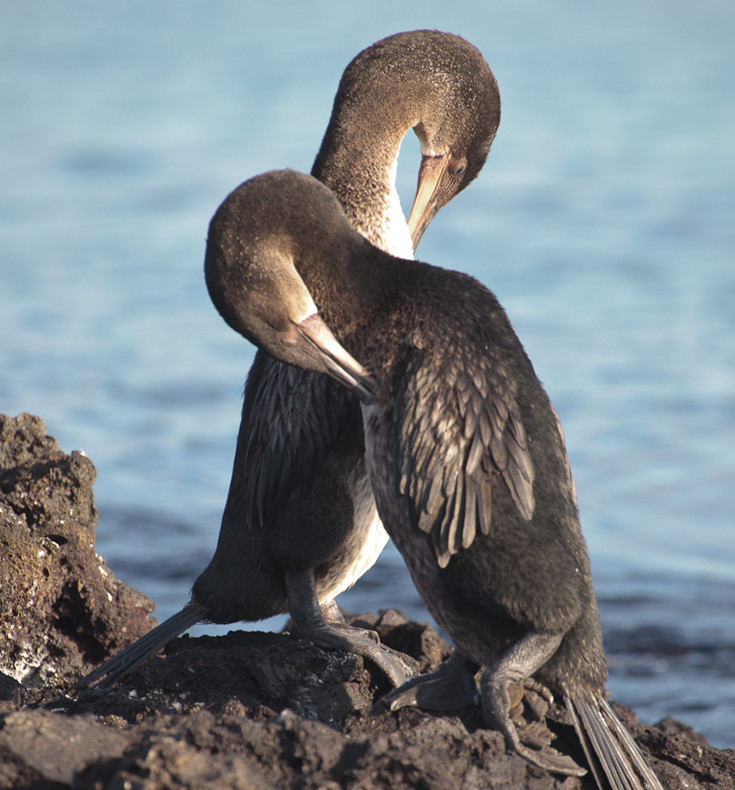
614,758
136,654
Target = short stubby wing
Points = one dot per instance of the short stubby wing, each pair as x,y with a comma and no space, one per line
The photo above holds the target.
458,434
291,417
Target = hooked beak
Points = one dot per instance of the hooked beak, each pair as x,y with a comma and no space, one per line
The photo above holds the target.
425,203
338,363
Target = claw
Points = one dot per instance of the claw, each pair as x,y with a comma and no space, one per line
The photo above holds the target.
543,691
357,631
551,760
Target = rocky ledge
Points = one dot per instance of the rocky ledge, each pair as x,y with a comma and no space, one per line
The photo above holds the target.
248,710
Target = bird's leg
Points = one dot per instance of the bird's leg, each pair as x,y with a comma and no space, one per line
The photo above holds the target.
311,624
517,664
333,615
450,687
331,612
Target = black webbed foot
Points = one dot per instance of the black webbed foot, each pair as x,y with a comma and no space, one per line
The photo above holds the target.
450,687
310,623
361,643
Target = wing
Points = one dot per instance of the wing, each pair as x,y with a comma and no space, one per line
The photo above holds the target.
290,419
457,427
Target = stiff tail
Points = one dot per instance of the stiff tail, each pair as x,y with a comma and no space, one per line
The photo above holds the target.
614,758
136,654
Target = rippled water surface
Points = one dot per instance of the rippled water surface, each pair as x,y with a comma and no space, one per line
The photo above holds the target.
604,221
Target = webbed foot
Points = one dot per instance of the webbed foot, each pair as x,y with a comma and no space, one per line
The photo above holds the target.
450,687
550,759
310,623
515,667
367,633
363,643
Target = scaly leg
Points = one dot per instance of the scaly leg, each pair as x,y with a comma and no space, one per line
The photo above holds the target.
515,666
311,624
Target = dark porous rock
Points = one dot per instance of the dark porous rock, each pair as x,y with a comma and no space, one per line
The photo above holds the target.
61,609
248,710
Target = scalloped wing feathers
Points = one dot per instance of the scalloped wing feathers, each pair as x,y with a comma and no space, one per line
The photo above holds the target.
458,426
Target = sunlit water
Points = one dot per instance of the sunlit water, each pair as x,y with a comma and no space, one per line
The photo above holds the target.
604,221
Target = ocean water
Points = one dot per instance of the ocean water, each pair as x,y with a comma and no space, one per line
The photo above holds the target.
604,220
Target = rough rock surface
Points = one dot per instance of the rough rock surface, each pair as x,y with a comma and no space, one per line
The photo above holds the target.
60,606
249,710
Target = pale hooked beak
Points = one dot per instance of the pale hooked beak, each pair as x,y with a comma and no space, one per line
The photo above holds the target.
425,203
338,363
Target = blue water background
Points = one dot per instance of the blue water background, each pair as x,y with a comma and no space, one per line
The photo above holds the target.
604,221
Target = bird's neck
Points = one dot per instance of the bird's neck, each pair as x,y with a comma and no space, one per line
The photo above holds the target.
362,175
363,299
348,289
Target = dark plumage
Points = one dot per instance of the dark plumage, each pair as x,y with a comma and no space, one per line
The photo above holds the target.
435,83
465,452
300,523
